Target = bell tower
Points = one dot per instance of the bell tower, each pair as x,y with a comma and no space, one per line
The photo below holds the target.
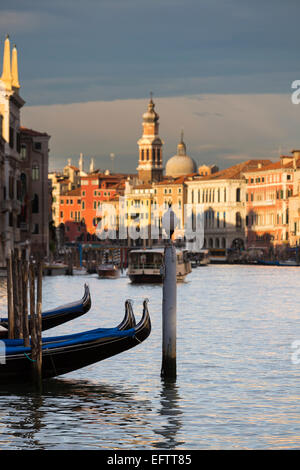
150,168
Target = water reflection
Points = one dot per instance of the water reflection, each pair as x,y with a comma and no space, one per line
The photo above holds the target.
65,404
170,409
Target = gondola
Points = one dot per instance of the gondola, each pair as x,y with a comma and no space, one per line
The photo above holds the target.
64,354
59,315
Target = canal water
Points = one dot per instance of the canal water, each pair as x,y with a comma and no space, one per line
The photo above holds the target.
238,380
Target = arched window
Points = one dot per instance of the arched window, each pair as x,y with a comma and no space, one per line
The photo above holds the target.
210,243
217,243
238,194
223,243
35,172
142,154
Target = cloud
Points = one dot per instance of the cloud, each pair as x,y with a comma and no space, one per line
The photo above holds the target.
253,126
12,21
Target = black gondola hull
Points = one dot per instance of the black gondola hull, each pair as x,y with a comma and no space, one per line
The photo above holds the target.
64,359
60,315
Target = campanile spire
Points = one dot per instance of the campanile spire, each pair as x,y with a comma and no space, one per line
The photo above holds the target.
150,147
14,68
6,77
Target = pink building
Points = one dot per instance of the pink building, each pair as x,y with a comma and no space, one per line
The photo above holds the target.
267,204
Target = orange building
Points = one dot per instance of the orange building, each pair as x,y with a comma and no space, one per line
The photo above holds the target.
78,208
269,190
70,216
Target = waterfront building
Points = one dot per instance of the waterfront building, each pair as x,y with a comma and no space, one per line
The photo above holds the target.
10,105
79,208
62,182
138,211
270,190
222,196
70,216
34,190
171,193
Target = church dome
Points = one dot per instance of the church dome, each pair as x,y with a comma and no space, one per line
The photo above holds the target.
180,164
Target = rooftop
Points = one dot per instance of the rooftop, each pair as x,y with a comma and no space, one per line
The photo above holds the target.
236,171
32,132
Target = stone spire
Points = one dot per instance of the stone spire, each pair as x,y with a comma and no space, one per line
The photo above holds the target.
181,148
6,72
14,68
81,163
92,166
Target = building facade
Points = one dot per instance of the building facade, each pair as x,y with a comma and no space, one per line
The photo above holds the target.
221,197
34,217
10,106
270,190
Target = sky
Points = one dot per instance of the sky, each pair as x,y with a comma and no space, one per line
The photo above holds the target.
221,70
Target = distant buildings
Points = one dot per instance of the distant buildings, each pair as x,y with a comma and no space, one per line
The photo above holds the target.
254,204
223,199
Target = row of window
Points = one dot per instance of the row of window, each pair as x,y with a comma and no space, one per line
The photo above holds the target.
70,201
275,178
74,215
267,219
214,243
155,153
212,195
266,196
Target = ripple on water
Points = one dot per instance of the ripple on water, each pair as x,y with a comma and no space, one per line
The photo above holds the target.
236,388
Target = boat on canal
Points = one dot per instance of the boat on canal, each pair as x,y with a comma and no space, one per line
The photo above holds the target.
199,258
58,315
64,354
108,271
285,263
146,265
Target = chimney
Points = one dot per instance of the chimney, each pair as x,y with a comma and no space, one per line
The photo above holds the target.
296,156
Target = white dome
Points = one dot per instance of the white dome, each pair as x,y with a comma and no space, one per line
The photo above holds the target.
181,164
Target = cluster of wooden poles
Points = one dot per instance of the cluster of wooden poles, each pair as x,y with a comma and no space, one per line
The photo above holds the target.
91,258
24,301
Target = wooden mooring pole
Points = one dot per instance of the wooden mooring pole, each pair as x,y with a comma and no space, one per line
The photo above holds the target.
36,323
21,274
10,299
169,307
